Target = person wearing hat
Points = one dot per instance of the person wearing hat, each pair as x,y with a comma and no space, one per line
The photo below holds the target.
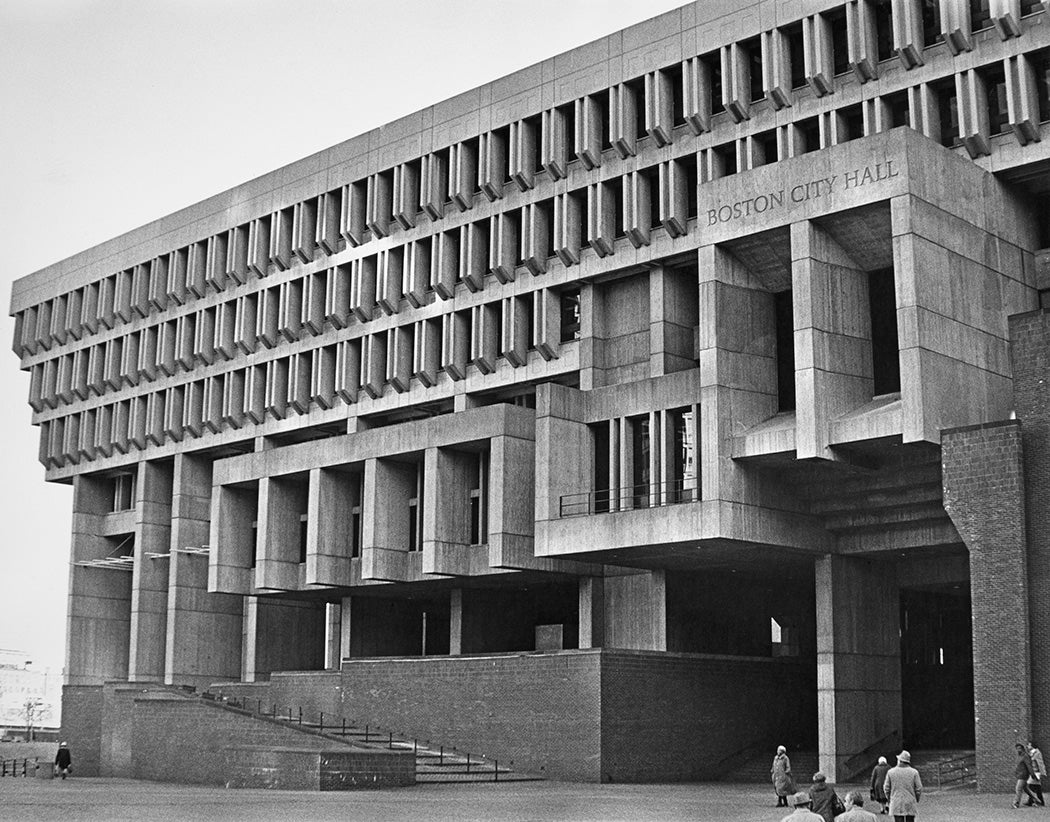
802,803
904,788
855,810
783,782
826,802
63,761
1023,771
878,785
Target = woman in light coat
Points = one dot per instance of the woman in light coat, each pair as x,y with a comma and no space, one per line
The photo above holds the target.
783,783
904,788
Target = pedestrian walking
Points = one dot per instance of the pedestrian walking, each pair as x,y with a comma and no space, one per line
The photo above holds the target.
826,802
1023,771
904,789
855,810
1035,784
63,761
780,772
802,803
878,785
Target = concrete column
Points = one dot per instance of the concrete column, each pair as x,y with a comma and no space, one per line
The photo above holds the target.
672,316
281,504
191,502
334,642
636,611
345,624
203,640
511,508
329,524
833,369
388,487
455,631
446,512
592,612
232,539
564,449
149,581
99,611
858,663
590,331
655,454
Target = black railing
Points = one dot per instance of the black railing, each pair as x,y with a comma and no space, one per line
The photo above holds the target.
348,732
632,497
18,767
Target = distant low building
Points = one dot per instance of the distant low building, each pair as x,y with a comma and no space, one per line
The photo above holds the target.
22,685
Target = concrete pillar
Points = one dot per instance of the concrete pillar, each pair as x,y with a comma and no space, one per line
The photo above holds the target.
636,611
455,631
329,525
511,506
149,581
858,663
564,452
99,611
232,539
389,485
833,369
203,640
672,316
590,330
190,502
282,503
333,641
446,511
592,612
345,624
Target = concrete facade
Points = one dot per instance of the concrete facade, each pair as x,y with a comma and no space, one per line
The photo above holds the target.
651,346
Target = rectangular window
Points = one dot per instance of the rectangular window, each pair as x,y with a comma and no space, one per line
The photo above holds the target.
685,486
931,22
415,513
839,40
796,55
1041,66
752,51
602,101
726,156
123,492
897,109
980,14
640,444
600,432
302,538
674,77
785,340
948,112
766,143
885,347
569,307
851,120
995,91
637,88
1030,7
713,62
884,29
479,518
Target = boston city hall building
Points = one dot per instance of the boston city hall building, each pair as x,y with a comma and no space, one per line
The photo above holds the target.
670,399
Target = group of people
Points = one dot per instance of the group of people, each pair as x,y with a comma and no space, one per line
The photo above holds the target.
897,790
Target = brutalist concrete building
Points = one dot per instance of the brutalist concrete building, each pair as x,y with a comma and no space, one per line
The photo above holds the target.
669,399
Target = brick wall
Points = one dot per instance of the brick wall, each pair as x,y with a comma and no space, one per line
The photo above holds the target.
673,717
82,726
183,740
319,769
540,711
1030,354
983,479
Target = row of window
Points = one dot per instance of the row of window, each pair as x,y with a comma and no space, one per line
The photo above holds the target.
396,361
540,320
773,64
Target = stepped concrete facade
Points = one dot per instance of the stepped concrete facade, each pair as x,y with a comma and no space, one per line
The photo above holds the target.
705,364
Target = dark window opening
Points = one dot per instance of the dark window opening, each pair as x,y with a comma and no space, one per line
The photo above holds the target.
255,543
753,54
948,112
1044,298
502,137
600,432
897,109
532,162
885,347
839,40
602,99
479,519
980,14
689,168
851,120
547,213
766,145
1041,65
931,23
995,92
809,135
1030,7
640,450
785,339
674,77
302,539
616,188
796,55
713,61
884,29
513,217
652,176
415,512
123,492
355,531
726,155
568,119
636,88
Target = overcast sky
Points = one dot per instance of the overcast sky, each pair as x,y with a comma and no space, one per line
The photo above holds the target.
116,113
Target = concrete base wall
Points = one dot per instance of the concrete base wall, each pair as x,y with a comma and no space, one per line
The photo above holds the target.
82,726
300,769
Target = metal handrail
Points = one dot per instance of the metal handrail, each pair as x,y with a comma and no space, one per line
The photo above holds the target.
645,495
340,729
10,767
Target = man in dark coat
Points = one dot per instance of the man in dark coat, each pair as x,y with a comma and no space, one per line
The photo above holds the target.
1022,771
826,802
63,760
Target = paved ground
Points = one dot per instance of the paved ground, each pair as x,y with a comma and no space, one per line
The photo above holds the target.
115,800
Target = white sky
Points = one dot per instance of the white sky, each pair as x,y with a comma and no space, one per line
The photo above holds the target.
115,113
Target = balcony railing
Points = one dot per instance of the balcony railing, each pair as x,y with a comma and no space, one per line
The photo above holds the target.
632,497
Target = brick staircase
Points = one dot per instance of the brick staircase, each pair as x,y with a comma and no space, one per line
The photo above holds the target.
434,763
755,769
